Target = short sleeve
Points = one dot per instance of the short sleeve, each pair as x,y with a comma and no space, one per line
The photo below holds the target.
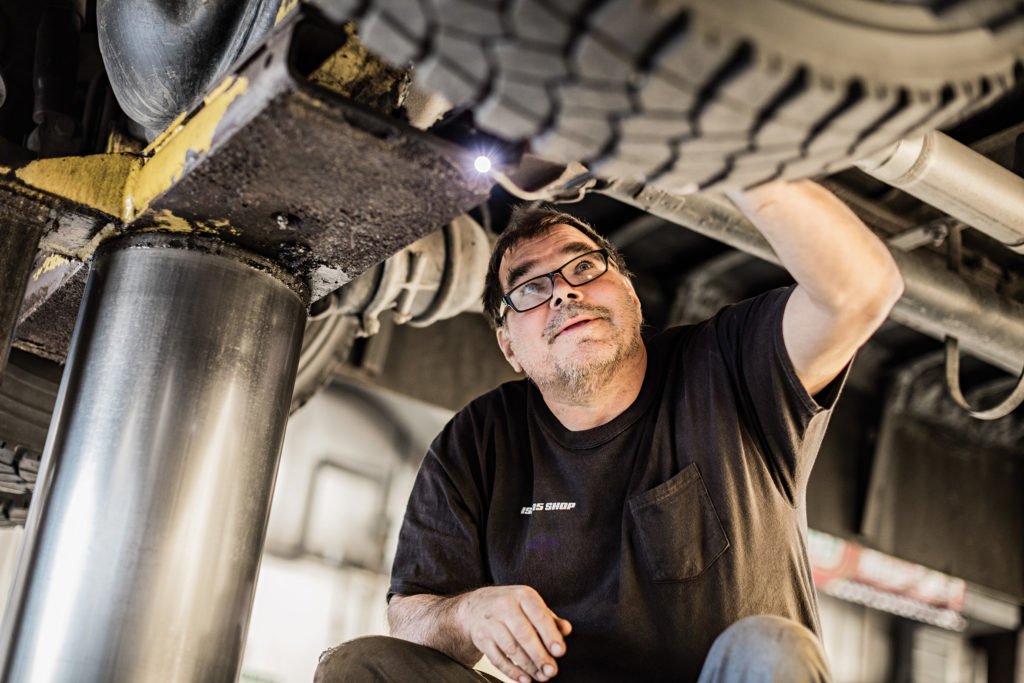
788,422
439,545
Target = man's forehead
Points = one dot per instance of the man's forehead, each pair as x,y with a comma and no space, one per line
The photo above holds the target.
560,240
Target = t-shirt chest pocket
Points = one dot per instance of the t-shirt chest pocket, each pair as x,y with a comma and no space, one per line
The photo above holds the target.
677,527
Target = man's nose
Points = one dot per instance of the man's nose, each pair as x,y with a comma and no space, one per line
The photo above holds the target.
562,290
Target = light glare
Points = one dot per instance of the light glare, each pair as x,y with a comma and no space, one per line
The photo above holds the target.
482,164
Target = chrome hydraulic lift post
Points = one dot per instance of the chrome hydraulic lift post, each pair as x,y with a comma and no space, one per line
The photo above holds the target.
143,544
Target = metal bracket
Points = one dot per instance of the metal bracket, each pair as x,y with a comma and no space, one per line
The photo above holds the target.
1015,397
1005,407
933,233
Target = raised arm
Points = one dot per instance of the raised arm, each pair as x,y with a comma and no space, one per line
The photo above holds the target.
847,282
510,624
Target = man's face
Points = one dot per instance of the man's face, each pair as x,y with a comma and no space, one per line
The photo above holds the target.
583,330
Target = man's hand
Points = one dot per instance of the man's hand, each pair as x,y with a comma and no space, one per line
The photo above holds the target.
515,629
512,625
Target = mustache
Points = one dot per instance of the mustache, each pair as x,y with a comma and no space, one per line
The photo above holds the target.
571,310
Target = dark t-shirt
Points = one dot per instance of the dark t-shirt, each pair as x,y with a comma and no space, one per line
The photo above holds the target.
651,533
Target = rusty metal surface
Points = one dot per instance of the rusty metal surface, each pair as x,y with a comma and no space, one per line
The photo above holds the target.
271,162
47,331
49,309
21,224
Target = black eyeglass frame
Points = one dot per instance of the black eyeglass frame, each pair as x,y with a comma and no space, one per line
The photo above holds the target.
506,300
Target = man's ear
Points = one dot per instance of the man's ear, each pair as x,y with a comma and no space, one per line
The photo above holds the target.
506,349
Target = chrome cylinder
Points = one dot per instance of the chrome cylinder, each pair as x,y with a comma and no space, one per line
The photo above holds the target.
144,539
954,178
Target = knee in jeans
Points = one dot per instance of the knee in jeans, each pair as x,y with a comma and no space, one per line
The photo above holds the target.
767,649
769,629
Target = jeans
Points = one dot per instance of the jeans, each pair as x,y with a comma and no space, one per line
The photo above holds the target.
760,649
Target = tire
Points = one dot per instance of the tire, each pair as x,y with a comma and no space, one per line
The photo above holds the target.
705,94
325,345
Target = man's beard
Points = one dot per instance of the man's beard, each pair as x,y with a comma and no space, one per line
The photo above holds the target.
578,381
579,378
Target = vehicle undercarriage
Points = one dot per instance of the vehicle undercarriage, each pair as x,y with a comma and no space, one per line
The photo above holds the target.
182,191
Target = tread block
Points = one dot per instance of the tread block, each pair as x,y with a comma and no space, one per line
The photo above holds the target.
481,19
743,177
632,26
388,37
849,123
902,117
693,59
651,127
466,55
534,21
410,15
751,168
793,120
513,57
659,94
768,156
806,164
687,178
633,159
597,97
568,9
596,129
713,146
564,144
738,102
515,110
438,74
593,58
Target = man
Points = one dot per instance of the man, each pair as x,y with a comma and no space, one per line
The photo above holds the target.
633,511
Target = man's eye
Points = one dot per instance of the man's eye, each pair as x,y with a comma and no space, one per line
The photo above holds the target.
530,288
584,265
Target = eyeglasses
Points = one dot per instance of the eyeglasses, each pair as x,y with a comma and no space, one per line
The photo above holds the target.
537,291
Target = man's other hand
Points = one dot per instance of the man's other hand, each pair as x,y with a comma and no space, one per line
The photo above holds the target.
514,628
